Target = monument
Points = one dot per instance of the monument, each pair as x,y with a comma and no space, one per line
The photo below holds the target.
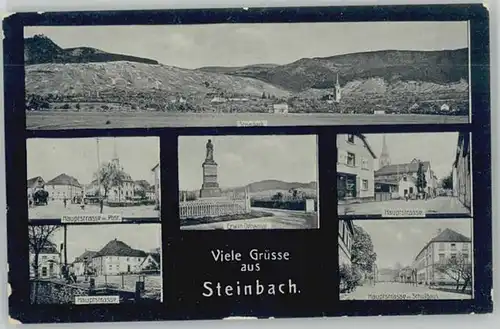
210,187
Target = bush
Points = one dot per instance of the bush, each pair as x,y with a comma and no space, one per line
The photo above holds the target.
77,106
65,106
350,277
105,107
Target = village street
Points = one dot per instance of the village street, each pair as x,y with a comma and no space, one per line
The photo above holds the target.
56,209
399,291
438,205
281,219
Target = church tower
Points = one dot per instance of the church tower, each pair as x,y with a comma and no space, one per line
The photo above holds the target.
115,160
338,90
384,159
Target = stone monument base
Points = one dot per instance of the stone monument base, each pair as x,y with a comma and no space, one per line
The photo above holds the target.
210,192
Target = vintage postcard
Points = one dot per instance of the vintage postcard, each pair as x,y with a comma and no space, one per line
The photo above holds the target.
196,164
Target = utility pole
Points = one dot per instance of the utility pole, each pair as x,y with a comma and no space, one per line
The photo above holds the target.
98,169
65,246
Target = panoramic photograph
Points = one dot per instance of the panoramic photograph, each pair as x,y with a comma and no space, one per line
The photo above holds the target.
406,259
97,178
248,182
82,264
249,74
404,174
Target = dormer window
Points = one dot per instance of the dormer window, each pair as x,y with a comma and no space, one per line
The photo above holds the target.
350,138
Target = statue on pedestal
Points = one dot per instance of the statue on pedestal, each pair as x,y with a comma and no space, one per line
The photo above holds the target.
210,151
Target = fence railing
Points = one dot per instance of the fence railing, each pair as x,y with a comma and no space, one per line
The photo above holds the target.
212,208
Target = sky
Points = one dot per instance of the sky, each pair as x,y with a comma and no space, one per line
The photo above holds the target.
77,157
144,237
194,46
438,148
401,240
246,159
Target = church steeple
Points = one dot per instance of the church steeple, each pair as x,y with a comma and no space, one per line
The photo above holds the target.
338,91
384,159
115,159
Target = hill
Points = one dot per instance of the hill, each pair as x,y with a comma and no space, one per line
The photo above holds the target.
84,78
87,79
273,185
439,67
40,49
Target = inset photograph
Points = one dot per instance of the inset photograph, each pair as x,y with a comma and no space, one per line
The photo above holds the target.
95,264
101,77
404,175
406,259
93,179
248,182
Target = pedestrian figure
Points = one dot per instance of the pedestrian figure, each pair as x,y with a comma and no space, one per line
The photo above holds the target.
82,204
101,204
65,202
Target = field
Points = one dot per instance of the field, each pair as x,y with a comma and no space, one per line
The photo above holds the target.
98,120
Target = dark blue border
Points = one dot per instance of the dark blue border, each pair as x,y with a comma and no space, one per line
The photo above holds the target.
323,240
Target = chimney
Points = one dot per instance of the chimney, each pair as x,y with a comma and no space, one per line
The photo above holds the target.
439,231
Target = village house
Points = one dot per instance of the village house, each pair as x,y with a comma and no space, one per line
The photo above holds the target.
346,240
120,193
49,260
117,257
63,186
401,179
355,168
35,184
387,275
218,100
141,188
462,183
151,193
151,262
407,275
83,261
447,244
280,108
156,184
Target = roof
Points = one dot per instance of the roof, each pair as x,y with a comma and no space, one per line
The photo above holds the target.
119,248
88,254
411,167
447,235
64,179
363,138
143,183
155,256
34,182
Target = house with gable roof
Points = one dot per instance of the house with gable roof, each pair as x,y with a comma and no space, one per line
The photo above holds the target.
446,244
403,178
81,262
117,257
63,186
49,260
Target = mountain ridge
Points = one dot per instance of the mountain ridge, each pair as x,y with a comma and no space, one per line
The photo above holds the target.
94,75
40,49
